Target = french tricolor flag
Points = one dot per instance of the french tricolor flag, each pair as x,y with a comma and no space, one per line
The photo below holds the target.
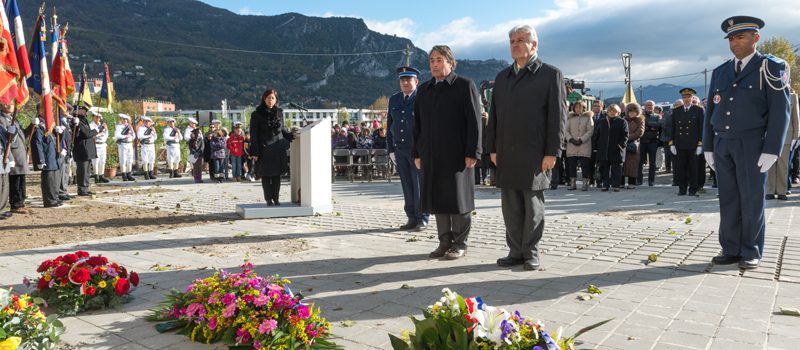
40,79
18,38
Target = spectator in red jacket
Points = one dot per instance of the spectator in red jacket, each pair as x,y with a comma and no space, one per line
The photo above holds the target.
236,148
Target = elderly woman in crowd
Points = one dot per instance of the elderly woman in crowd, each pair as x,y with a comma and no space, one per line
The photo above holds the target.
580,127
610,136
635,120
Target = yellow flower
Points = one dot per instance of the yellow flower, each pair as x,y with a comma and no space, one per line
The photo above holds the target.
101,284
11,343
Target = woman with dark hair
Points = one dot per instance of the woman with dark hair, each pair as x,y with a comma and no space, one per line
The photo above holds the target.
267,147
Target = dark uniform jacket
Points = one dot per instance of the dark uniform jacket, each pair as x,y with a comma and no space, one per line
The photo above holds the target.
527,122
446,130
18,151
745,105
685,130
85,148
43,149
610,138
269,142
401,123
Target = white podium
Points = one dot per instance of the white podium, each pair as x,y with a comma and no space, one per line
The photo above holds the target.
310,168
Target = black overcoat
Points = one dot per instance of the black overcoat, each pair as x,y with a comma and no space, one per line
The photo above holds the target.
447,129
527,121
269,143
85,148
611,136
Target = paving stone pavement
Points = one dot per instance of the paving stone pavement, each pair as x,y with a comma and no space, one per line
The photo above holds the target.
357,264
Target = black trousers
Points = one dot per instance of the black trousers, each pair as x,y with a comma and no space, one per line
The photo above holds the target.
523,214
572,167
453,229
272,188
82,176
611,173
50,182
684,167
16,191
701,171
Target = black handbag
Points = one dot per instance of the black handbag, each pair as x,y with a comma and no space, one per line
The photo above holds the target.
631,147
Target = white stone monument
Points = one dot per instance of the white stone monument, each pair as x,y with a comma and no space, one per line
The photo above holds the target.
310,168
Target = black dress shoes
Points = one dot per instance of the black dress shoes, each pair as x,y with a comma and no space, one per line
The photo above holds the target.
54,205
783,197
509,261
769,196
749,264
439,251
531,264
421,226
409,225
723,259
64,197
84,194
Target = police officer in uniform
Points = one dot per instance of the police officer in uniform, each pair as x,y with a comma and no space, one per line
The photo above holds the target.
172,136
124,135
685,131
84,151
99,163
399,142
745,125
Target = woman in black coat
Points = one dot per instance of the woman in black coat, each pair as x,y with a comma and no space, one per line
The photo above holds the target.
269,140
610,136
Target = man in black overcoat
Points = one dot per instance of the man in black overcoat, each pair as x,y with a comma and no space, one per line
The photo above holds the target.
525,132
84,150
447,134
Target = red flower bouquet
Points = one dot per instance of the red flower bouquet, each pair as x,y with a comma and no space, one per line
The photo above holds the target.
77,281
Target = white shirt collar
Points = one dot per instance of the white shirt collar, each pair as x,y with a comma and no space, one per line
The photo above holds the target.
744,60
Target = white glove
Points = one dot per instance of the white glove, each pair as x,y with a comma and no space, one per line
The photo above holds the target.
710,160
36,121
391,155
74,121
699,150
673,150
11,164
59,129
41,166
12,129
766,160
64,152
63,120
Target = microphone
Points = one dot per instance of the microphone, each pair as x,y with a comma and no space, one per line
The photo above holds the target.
295,105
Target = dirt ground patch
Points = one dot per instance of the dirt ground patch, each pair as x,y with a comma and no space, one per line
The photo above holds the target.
649,214
85,219
249,245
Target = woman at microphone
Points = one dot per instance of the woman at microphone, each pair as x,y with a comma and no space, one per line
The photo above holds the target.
269,139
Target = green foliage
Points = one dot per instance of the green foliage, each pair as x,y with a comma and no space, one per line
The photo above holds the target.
782,48
21,316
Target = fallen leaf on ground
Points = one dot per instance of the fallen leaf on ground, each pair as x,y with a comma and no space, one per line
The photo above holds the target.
406,286
412,239
790,311
594,290
584,297
348,323
652,257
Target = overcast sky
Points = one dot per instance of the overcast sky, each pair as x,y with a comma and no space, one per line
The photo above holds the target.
582,37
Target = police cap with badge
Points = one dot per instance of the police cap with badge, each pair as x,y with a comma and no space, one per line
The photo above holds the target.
688,91
738,24
407,72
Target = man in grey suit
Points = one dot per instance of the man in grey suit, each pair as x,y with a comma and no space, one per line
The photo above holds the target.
19,153
524,135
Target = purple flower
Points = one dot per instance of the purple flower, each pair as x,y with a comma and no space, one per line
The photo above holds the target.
551,345
111,272
229,298
506,330
248,299
537,347
257,345
26,281
267,326
212,323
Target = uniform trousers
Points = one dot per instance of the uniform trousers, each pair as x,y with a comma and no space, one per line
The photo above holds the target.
453,229
63,175
99,163
3,191
16,191
410,181
523,214
50,182
82,176
684,167
741,186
